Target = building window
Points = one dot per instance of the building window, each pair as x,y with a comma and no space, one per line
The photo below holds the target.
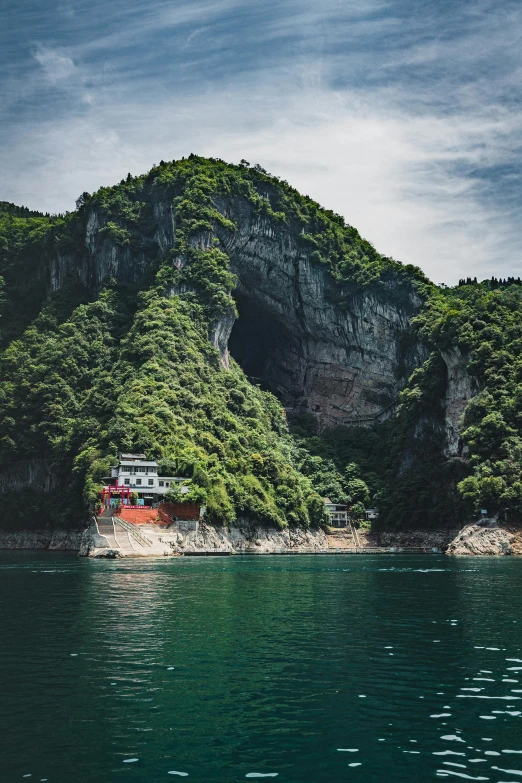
126,481
151,482
138,482
167,484
161,483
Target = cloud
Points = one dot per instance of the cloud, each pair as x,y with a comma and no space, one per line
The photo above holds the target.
56,64
402,116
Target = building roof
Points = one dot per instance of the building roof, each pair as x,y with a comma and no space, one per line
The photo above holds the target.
132,456
139,462
144,462
336,506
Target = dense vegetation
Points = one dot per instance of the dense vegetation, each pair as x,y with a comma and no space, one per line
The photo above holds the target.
402,460
135,369
88,373
484,322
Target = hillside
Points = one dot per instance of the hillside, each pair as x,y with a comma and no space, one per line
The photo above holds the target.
210,316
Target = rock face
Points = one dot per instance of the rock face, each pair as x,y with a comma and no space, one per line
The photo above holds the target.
24,480
257,540
344,362
180,539
102,258
460,388
479,540
343,359
65,540
342,355
43,475
425,539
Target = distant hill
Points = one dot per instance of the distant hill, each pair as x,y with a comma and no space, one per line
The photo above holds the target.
7,208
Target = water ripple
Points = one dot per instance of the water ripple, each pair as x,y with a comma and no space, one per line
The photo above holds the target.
259,667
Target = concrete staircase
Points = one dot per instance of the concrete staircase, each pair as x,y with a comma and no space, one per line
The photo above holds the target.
124,537
106,528
131,540
344,538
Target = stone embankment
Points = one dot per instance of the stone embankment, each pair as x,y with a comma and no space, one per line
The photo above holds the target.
195,538
199,538
485,538
410,539
393,540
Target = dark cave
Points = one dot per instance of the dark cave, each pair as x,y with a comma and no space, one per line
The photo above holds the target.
262,346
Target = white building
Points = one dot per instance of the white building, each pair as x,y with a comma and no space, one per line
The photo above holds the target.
140,475
338,513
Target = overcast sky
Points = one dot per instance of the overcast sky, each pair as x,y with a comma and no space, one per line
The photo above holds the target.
404,116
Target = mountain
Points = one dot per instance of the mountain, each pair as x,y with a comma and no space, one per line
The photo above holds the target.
213,318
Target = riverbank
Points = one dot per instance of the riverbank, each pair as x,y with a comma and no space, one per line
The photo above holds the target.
477,540
200,538
54,540
403,539
151,540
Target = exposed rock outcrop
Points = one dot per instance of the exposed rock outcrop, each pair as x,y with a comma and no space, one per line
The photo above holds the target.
408,539
425,539
479,540
24,481
180,539
343,360
474,540
461,387
341,354
65,540
257,540
43,475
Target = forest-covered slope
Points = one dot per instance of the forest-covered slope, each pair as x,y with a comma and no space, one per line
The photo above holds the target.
193,312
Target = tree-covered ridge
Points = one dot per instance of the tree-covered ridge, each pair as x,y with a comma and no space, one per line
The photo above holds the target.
27,240
138,372
403,461
86,373
7,208
485,322
127,372
195,184
494,282
107,380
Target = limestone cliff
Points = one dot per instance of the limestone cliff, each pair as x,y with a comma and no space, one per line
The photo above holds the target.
335,351
461,387
344,361
131,291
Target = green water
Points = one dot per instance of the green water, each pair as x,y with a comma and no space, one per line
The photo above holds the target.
223,669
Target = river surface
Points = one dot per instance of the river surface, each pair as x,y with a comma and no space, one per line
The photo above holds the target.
302,668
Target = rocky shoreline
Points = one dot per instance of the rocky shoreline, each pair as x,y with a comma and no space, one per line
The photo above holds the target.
201,538
472,540
55,540
478,540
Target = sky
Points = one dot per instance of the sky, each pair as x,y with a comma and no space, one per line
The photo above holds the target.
404,116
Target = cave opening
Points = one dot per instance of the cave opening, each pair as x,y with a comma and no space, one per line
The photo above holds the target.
261,345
